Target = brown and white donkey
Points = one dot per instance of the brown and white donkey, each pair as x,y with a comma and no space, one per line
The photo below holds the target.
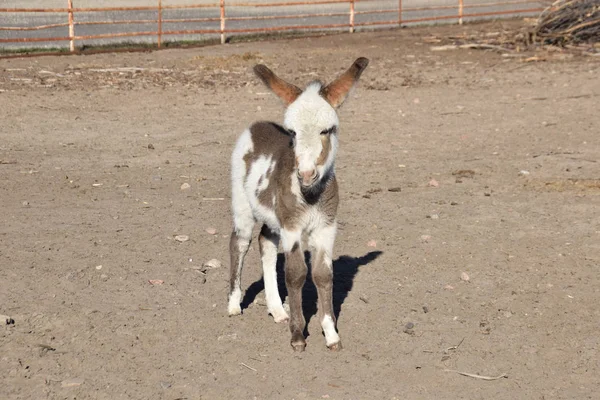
283,177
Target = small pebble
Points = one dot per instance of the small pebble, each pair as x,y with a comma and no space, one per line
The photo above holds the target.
182,238
523,172
372,243
98,267
434,216
211,231
71,382
425,309
211,264
156,281
464,276
165,385
25,203
150,146
185,186
434,183
425,238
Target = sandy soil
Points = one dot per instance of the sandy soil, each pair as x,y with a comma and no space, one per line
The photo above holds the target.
495,270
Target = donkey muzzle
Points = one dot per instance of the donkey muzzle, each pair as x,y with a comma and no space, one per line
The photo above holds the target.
307,178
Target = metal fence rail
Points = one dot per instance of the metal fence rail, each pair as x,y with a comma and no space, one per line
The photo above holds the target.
348,18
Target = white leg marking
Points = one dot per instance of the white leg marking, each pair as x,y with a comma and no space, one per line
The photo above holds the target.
235,299
331,336
269,263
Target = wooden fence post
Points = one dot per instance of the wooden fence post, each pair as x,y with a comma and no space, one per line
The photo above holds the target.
460,11
159,23
222,5
71,26
400,13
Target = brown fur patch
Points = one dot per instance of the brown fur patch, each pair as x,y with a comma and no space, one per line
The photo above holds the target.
322,276
295,276
270,139
326,142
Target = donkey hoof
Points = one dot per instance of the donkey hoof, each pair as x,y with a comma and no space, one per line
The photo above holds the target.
335,347
234,310
299,346
280,316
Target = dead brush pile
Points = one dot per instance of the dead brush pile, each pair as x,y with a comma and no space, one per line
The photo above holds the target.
569,22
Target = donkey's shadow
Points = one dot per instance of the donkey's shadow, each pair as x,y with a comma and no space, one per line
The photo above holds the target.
345,269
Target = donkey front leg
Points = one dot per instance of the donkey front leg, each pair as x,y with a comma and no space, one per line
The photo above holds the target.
268,243
295,276
321,242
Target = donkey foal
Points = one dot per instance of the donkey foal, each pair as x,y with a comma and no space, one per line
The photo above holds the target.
283,177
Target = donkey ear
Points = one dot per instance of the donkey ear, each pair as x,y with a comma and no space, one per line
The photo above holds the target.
285,91
337,91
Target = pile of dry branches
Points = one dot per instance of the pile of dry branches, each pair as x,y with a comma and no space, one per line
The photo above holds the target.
569,21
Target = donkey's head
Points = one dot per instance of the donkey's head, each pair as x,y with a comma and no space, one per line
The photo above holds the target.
311,118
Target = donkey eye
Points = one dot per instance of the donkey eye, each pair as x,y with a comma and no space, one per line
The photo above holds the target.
328,131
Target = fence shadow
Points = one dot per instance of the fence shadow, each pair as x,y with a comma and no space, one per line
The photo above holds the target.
345,269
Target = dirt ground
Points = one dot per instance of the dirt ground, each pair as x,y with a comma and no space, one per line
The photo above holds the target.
469,224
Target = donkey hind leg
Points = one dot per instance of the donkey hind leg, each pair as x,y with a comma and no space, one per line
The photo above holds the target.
238,247
321,242
295,276
268,243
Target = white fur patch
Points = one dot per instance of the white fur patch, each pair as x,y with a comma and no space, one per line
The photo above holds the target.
257,180
331,336
323,238
242,213
289,239
269,263
308,116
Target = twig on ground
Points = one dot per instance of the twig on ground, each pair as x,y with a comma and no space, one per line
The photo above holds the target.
249,367
454,347
483,377
479,46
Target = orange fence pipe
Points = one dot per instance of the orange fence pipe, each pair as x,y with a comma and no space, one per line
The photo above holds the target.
351,24
71,26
